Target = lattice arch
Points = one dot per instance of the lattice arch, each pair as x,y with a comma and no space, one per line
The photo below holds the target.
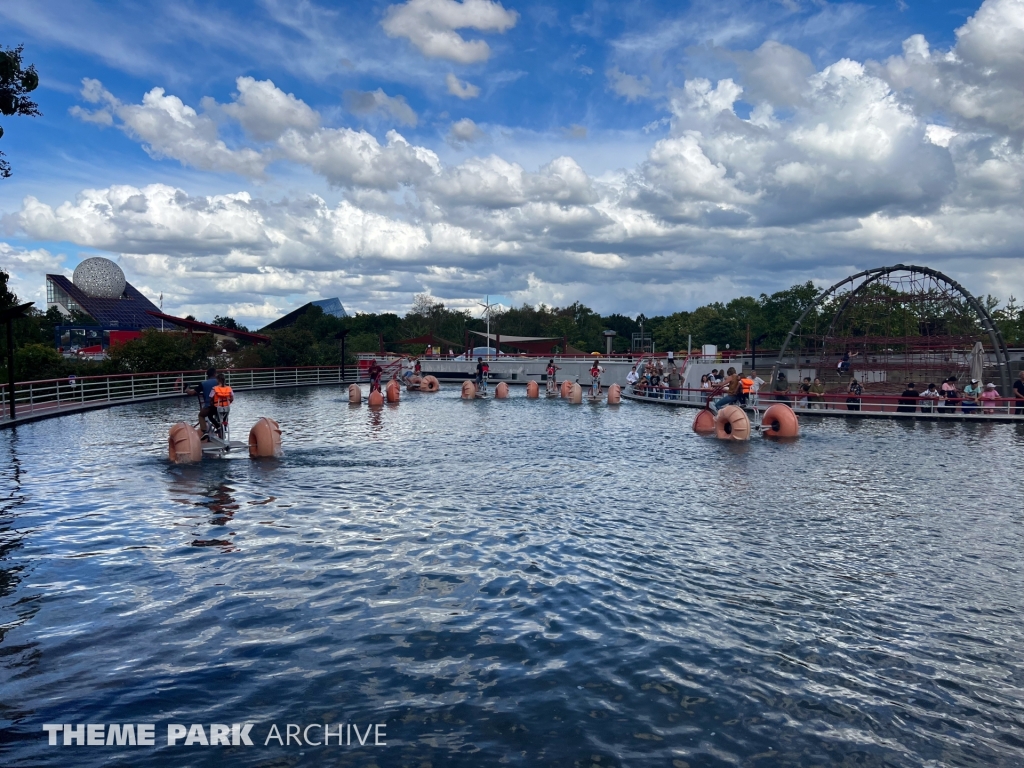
898,324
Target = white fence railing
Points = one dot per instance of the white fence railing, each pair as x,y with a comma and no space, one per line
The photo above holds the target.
53,396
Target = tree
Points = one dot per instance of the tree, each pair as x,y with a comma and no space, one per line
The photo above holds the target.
228,322
16,80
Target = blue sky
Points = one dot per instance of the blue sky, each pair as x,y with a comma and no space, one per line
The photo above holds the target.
247,157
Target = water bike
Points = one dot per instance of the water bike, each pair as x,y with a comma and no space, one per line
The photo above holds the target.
217,440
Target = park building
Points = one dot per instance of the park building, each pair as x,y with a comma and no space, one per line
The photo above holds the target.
98,289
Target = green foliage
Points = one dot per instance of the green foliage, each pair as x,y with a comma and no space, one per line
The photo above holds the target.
38,361
228,322
16,82
156,351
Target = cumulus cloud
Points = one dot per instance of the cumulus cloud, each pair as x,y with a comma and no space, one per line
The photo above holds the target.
378,102
463,132
461,88
430,26
980,81
630,87
265,111
167,127
853,163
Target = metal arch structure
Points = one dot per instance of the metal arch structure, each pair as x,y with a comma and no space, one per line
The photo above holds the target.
872,276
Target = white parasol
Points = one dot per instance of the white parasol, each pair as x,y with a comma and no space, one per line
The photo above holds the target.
977,361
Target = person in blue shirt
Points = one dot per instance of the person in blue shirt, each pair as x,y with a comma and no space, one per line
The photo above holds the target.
205,391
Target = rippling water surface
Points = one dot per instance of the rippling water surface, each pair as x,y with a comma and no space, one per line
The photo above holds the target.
519,582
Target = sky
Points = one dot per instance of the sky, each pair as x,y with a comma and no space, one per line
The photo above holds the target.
243,158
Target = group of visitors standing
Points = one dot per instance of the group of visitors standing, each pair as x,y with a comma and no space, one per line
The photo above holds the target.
653,379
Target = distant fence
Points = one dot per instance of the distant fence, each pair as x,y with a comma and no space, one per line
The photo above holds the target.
51,397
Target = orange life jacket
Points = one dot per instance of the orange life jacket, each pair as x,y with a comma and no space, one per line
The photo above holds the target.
747,384
222,396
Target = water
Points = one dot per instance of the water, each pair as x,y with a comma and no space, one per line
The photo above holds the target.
521,583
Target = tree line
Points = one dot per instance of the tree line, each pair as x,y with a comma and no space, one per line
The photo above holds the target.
314,338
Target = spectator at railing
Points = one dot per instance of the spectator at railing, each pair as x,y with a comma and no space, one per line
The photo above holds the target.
804,392
853,393
988,398
632,376
969,403
929,399
782,388
908,400
756,382
705,381
1018,393
817,394
674,382
950,397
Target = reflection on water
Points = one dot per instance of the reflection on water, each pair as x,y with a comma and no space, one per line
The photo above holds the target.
522,581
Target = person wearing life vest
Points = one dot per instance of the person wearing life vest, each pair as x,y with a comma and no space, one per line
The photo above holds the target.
595,378
551,369
747,385
223,396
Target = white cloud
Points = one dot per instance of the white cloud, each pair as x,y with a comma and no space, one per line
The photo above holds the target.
266,112
463,132
709,101
346,157
377,102
630,87
980,81
461,88
430,26
167,127
859,163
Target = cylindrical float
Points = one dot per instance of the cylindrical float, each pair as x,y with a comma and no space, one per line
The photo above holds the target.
614,394
355,394
704,422
501,391
429,384
414,383
576,394
376,399
265,439
532,390
566,389
732,424
393,389
468,390
780,421
183,444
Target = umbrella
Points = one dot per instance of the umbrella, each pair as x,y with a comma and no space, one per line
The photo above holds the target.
977,361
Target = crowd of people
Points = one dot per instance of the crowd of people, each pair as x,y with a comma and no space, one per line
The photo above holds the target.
724,387
655,379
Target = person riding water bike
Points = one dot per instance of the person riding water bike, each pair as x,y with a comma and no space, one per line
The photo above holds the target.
482,370
375,372
552,378
223,397
595,378
205,393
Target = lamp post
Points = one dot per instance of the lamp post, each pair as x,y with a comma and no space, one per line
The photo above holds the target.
9,315
753,350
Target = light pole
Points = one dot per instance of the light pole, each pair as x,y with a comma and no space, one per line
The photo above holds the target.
8,316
